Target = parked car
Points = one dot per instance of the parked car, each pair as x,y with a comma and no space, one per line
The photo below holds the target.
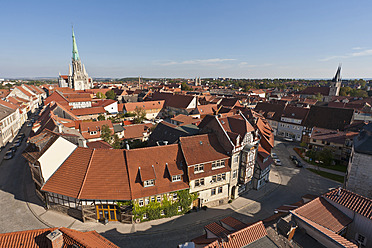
274,156
299,164
288,139
277,162
29,124
18,142
9,154
13,148
293,157
21,135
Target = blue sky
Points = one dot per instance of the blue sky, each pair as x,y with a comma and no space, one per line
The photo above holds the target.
206,38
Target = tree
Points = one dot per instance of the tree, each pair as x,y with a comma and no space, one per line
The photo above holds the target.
184,86
116,144
100,95
140,114
106,134
318,97
110,95
101,118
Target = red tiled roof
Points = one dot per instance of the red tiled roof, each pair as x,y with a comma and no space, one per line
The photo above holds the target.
242,237
103,103
234,223
56,97
325,214
77,97
154,160
136,131
333,136
357,203
24,91
236,124
217,229
149,105
8,104
328,233
186,119
99,144
204,148
86,175
38,238
88,111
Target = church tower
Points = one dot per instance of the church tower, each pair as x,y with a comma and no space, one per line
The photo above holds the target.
77,77
335,86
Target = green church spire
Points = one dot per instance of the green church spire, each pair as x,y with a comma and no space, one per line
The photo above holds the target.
75,53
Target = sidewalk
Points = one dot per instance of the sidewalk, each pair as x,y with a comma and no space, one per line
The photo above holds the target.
53,218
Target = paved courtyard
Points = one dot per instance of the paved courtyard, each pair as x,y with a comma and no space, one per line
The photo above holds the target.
287,185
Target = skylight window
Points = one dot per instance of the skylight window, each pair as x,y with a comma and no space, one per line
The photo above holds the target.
149,183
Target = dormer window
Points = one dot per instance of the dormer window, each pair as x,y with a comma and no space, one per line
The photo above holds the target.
198,168
93,132
149,183
218,164
176,178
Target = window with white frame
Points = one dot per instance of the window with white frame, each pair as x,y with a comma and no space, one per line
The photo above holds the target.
179,209
175,196
147,201
234,174
199,182
236,159
198,168
144,216
218,178
213,191
140,203
176,178
149,183
93,132
218,164
162,212
219,190
152,198
158,198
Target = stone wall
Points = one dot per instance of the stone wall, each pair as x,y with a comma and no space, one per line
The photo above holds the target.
359,178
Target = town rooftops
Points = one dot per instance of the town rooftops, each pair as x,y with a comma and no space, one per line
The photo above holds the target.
330,118
272,111
357,203
137,131
333,136
155,163
149,105
88,111
324,91
85,174
5,111
325,214
38,239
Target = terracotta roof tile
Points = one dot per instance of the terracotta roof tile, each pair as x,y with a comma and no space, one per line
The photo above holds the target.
69,177
234,223
136,131
325,214
38,238
88,111
328,233
158,157
217,229
149,105
242,237
360,204
106,181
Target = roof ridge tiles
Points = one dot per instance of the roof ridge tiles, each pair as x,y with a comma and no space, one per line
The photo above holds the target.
85,175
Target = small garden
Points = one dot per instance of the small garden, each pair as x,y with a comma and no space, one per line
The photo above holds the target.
323,158
328,175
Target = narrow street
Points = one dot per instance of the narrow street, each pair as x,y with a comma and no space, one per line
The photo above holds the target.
294,182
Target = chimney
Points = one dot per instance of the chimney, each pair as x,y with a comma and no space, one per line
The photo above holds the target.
165,142
127,145
55,239
59,128
82,142
339,191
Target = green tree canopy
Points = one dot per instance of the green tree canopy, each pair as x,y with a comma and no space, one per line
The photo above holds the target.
101,118
100,95
106,134
140,115
110,95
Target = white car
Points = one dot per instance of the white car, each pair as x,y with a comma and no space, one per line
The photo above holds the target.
274,156
288,139
277,162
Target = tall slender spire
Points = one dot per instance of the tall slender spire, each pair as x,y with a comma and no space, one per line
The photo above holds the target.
337,77
75,53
